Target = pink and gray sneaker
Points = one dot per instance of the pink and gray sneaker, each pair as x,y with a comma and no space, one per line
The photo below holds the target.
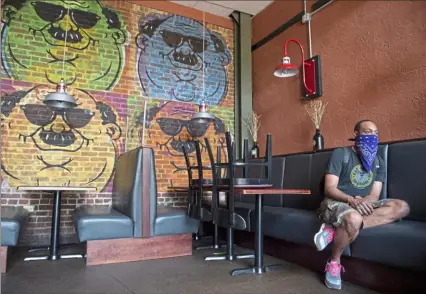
324,236
332,275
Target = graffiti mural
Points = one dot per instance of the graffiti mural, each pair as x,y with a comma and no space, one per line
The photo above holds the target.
33,39
46,146
168,127
107,75
173,55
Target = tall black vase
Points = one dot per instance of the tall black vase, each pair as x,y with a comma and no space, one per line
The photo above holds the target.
318,141
255,150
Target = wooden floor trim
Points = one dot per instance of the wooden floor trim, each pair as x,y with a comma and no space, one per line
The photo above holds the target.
3,258
136,249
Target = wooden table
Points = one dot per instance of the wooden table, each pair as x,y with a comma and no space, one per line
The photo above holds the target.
56,217
259,268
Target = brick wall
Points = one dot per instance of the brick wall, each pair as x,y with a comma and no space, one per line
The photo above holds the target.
118,55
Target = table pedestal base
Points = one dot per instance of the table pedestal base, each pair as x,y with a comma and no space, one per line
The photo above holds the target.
255,270
229,254
47,248
230,257
54,257
210,247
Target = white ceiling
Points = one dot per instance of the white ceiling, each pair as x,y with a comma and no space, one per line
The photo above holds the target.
225,8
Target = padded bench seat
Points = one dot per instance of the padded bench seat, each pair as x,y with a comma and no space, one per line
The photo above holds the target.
12,220
174,221
101,223
291,224
400,244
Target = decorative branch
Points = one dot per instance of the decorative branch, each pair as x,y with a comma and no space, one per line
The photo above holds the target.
253,125
315,110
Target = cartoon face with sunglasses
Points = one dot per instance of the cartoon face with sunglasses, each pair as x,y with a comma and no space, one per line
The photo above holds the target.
94,34
185,49
47,146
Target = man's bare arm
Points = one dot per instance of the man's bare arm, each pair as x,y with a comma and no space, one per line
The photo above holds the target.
375,192
331,190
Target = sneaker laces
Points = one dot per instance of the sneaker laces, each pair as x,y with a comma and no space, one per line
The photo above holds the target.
334,268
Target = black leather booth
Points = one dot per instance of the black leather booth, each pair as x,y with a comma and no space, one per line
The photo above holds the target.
293,218
134,212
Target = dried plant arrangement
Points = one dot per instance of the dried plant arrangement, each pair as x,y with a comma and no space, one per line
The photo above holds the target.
253,125
315,110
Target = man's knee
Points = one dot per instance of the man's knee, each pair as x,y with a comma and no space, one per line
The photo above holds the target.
352,222
400,208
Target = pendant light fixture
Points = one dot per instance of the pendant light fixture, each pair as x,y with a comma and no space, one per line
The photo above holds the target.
203,114
60,98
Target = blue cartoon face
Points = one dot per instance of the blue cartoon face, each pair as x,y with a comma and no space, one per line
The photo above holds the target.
173,56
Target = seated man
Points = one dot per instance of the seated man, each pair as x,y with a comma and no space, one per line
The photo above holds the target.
353,183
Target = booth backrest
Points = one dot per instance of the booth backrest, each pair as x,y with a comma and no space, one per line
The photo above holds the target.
149,180
407,176
127,187
307,171
297,176
135,189
405,163
319,164
278,166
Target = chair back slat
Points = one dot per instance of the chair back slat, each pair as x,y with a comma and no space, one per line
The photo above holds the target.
227,216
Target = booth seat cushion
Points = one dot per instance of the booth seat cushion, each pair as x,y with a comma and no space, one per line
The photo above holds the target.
291,224
244,209
174,221
12,220
401,244
101,223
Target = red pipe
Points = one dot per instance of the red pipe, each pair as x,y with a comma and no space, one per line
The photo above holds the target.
303,59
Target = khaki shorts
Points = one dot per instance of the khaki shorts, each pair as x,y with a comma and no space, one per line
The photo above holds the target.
332,212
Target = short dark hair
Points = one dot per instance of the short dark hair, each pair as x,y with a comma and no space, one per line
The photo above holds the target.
357,127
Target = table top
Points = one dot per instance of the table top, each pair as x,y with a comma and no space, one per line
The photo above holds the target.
178,188
56,188
255,191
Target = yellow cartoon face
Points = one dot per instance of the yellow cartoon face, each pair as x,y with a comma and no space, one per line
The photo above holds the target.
48,146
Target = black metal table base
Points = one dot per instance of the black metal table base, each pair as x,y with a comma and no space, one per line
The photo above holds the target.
47,248
229,254
258,268
229,257
54,236
255,270
54,257
212,246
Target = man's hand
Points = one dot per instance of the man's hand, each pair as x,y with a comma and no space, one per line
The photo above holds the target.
362,205
355,201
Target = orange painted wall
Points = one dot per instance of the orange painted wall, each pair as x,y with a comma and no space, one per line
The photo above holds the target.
373,64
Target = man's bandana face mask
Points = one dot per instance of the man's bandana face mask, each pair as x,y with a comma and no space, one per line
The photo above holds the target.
367,146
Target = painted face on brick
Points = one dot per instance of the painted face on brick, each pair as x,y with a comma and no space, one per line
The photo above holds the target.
177,130
48,146
33,40
173,55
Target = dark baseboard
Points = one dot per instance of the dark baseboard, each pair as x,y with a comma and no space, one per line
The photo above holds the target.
136,249
366,274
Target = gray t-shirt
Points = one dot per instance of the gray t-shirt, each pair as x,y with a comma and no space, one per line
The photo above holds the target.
353,179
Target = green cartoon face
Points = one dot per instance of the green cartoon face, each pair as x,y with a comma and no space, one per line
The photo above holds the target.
34,35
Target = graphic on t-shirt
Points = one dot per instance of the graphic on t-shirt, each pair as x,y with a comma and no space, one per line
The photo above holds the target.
359,178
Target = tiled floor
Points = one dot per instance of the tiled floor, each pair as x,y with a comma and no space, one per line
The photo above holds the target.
174,275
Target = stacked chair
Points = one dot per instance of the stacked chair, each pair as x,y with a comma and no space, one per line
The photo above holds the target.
198,208
232,217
